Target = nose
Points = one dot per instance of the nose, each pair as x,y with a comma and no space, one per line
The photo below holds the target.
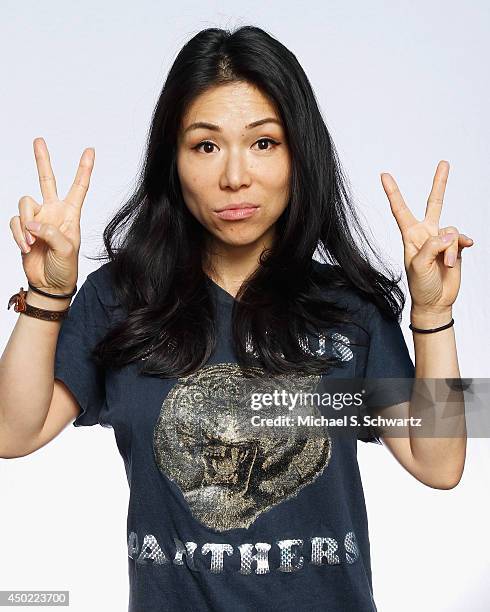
236,172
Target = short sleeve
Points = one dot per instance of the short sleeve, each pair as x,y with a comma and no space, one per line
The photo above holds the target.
389,371
85,324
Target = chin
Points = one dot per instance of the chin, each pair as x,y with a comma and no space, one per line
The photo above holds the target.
240,241
239,238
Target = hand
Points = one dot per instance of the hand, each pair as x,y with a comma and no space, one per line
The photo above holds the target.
50,260
433,265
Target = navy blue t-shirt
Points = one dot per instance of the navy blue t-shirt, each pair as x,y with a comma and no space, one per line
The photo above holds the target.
223,516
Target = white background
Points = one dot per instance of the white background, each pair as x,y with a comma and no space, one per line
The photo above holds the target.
401,85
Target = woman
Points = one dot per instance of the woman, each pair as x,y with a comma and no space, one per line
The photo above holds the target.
211,292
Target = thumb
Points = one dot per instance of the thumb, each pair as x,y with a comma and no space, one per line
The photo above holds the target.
435,245
53,237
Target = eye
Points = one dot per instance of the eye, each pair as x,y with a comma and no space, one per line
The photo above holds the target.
204,142
274,142
209,143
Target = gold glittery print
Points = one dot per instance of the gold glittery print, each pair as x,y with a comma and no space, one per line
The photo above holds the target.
228,472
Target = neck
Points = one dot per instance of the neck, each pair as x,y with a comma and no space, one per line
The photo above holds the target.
229,265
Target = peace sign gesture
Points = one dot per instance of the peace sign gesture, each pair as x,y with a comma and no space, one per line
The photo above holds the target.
432,255
48,234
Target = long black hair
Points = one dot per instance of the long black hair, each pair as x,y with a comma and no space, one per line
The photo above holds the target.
156,247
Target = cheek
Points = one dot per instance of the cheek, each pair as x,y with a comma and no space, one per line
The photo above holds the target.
193,187
279,184
191,178
193,184
277,175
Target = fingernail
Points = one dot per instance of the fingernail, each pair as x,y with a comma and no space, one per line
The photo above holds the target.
448,237
29,238
451,259
24,247
33,225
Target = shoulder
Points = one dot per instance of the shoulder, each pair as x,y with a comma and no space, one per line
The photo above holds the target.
336,287
365,312
99,283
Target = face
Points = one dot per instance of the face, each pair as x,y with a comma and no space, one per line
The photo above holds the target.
233,163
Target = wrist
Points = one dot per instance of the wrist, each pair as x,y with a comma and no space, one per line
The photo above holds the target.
429,319
45,302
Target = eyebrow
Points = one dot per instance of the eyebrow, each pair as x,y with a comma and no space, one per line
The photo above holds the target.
216,128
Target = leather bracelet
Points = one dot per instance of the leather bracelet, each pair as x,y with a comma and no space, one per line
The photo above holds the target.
431,331
20,305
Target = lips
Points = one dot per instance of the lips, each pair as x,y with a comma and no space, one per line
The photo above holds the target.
238,205
235,214
237,211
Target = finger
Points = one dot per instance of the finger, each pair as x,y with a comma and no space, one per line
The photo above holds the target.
53,237
438,244
463,242
431,249
47,181
403,215
451,252
18,234
28,208
436,196
80,186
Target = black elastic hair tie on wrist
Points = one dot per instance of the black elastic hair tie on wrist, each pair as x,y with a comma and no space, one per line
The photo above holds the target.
430,331
63,296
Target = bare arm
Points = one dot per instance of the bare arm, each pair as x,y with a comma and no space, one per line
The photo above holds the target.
33,406
432,257
435,461
28,391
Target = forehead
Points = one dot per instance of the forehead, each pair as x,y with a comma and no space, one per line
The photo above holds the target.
236,103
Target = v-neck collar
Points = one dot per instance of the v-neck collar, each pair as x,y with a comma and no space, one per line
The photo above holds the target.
221,294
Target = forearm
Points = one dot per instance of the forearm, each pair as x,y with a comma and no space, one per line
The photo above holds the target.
443,453
27,372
